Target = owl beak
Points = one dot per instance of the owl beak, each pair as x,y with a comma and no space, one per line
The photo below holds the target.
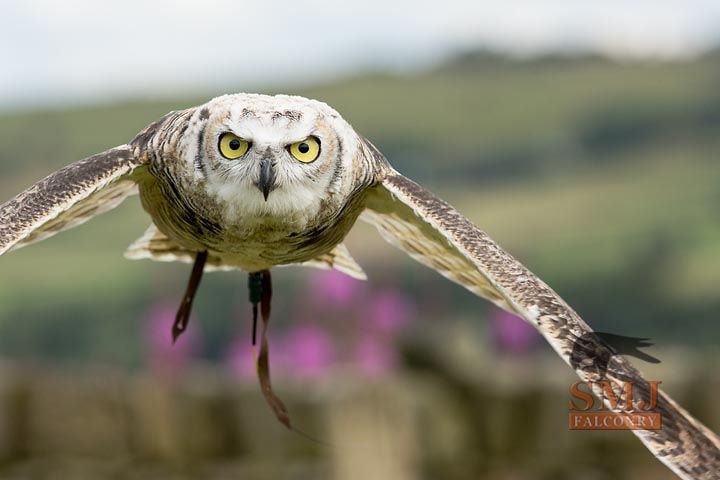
266,182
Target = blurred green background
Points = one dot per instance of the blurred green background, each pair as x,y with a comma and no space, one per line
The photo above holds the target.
601,176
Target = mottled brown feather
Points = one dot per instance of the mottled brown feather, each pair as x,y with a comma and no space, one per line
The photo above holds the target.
155,245
437,235
68,197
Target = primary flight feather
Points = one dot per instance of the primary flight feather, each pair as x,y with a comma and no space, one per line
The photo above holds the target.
252,181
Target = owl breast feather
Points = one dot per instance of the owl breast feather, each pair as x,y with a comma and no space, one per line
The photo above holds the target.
196,222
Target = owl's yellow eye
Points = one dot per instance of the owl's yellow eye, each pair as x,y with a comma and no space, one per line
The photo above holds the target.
231,146
306,151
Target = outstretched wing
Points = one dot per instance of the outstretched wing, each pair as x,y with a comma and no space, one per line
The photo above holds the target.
68,197
437,235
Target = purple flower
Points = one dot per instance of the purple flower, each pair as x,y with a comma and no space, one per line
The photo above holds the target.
389,311
305,351
310,351
165,358
349,324
330,287
511,333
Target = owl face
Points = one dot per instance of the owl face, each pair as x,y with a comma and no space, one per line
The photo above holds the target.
271,155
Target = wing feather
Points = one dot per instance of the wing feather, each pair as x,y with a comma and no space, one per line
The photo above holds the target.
338,258
437,235
68,197
155,245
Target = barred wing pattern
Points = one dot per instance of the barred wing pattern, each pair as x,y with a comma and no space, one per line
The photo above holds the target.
437,235
68,197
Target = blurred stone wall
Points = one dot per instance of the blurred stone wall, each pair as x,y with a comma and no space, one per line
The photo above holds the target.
107,424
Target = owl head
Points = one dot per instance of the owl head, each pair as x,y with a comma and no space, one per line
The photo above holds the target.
265,155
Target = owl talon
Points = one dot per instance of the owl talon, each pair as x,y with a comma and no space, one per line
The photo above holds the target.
183,314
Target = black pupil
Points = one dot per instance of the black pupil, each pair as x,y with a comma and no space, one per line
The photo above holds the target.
234,144
304,147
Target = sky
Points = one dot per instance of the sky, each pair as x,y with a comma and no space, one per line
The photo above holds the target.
62,52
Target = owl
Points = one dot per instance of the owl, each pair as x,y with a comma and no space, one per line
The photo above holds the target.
251,181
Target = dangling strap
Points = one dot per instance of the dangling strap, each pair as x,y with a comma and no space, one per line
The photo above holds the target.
264,295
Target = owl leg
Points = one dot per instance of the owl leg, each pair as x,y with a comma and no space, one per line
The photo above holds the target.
183,313
260,286
255,289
